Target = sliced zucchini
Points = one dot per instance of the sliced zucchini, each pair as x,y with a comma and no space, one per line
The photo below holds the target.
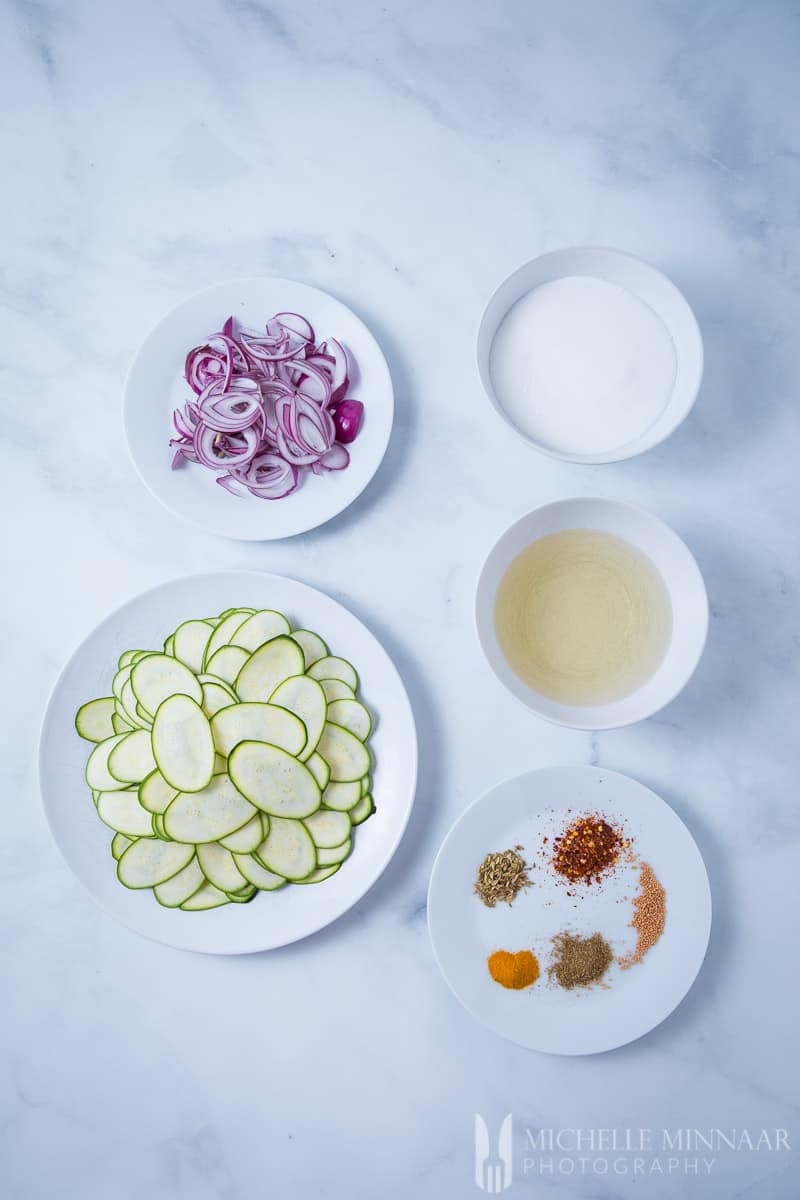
320,770
342,796
125,659
157,677
273,780
267,667
227,663
95,720
219,868
252,869
209,815
351,715
288,849
328,828
120,679
176,891
243,895
206,896
169,645
257,723
191,639
120,724
132,760
122,812
366,784
158,827
365,808
120,843
306,699
334,689
346,756
98,776
183,747
155,794
131,709
223,633
248,838
150,861
320,874
311,644
216,696
331,667
260,628
329,856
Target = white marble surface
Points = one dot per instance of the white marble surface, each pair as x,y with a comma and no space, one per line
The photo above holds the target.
405,156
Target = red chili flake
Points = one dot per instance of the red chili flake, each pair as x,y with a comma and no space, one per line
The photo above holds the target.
588,849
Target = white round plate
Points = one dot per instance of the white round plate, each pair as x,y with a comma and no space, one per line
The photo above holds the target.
272,918
464,931
643,281
156,386
679,570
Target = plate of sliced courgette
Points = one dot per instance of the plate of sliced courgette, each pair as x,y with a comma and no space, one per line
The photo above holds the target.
228,762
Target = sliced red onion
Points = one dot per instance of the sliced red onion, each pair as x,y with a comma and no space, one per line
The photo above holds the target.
268,406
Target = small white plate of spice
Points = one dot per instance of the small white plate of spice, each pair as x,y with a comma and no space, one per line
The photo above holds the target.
569,910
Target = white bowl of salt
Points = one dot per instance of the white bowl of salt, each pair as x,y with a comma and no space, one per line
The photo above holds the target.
590,354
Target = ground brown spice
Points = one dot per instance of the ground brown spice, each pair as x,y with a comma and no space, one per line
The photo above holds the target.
587,849
649,916
501,876
579,961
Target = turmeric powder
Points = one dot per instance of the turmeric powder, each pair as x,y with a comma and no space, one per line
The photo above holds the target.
517,971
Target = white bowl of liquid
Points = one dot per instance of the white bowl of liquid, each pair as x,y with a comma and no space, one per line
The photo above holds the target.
591,355
593,613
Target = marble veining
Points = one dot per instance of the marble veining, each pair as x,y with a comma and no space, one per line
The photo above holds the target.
405,156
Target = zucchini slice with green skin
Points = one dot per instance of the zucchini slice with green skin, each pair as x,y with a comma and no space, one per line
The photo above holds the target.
320,874
267,667
223,633
334,689
331,667
320,770
216,696
260,877
95,721
98,776
273,780
155,794
150,861
366,784
120,843
169,645
342,796
328,828
261,627
311,644
206,896
183,747
120,679
131,760
131,709
227,663
120,724
122,812
365,808
190,641
330,856
257,723
158,827
207,816
288,849
219,868
243,896
352,716
305,698
125,659
248,838
346,756
157,677
176,891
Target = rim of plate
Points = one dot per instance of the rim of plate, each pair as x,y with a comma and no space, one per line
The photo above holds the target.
587,769
325,504
410,757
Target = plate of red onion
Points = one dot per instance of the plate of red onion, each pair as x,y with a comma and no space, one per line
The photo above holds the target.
258,408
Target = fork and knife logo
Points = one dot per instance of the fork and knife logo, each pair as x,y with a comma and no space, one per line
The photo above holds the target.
493,1171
